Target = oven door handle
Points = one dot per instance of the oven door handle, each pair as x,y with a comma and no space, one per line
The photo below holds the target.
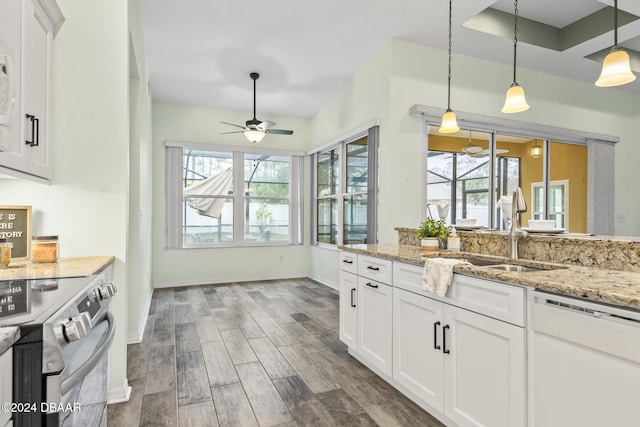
79,374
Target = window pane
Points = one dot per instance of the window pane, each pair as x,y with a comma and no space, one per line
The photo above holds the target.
355,219
266,220
357,166
207,208
328,220
199,228
569,163
328,173
266,176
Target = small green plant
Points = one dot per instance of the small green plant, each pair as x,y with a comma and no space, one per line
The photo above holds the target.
433,228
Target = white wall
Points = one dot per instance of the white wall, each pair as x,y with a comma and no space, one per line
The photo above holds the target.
218,265
86,203
140,181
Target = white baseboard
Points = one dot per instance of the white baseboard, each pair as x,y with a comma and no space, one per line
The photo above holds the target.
325,282
136,337
218,281
119,394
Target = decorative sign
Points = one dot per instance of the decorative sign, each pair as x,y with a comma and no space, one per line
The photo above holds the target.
15,226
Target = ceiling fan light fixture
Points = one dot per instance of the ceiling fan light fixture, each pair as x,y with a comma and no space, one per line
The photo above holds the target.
515,101
616,69
254,135
449,122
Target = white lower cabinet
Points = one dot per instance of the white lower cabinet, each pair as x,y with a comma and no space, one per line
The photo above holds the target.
6,385
348,324
462,357
468,366
374,323
417,346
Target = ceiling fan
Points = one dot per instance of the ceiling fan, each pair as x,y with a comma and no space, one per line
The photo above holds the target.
255,129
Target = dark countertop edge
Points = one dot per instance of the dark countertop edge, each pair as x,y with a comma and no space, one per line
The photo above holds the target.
8,336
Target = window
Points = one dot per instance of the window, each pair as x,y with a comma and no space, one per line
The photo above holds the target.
345,191
558,202
220,197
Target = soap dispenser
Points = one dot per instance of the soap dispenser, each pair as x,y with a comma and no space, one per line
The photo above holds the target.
453,241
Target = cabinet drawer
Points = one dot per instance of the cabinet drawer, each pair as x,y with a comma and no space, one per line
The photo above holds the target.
375,268
409,278
349,262
493,299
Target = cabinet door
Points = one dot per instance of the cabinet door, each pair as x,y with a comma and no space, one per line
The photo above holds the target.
37,33
11,154
484,370
374,323
417,346
348,309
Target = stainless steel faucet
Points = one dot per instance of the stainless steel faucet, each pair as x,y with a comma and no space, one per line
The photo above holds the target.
518,205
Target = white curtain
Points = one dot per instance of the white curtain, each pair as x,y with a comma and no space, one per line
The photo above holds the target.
215,185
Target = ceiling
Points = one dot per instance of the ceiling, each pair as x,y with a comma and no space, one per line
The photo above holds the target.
200,52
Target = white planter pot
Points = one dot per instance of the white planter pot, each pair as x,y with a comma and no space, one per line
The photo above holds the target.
430,244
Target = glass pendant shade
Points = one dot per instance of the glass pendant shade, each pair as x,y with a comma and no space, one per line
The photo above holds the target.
449,123
616,69
515,101
254,135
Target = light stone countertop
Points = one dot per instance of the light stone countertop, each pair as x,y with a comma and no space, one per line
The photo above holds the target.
616,287
8,336
65,267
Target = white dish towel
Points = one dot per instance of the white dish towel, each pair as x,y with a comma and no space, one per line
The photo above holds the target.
438,273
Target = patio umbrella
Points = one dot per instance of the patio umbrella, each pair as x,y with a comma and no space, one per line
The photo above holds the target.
215,185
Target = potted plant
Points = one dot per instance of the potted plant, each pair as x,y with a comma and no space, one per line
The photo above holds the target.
432,234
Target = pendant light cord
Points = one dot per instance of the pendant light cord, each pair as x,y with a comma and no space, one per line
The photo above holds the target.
615,23
449,75
515,38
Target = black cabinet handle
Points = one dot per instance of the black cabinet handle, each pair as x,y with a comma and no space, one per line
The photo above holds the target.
353,291
373,268
35,131
435,335
346,261
371,286
444,339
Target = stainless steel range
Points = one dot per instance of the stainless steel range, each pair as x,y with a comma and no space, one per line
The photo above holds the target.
60,361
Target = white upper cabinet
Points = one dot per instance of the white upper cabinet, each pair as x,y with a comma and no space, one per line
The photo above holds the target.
26,44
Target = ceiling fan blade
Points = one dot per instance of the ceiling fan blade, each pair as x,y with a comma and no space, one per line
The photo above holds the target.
266,125
227,123
235,131
279,131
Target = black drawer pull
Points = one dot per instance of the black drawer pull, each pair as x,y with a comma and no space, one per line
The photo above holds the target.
346,261
370,267
435,335
353,291
371,285
444,339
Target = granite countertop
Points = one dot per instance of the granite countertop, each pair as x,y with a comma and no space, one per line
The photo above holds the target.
65,267
616,287
8,336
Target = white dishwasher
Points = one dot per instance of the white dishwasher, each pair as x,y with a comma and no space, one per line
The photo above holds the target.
584,365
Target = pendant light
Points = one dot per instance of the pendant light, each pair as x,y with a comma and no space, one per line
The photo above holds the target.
515,102
616,67
536,150
449,123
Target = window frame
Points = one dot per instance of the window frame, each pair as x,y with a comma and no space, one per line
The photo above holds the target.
371,132
174,237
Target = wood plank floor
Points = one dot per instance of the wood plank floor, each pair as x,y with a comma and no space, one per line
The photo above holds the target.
257,354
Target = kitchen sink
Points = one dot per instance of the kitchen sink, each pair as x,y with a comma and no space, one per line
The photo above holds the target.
482,262
511,267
